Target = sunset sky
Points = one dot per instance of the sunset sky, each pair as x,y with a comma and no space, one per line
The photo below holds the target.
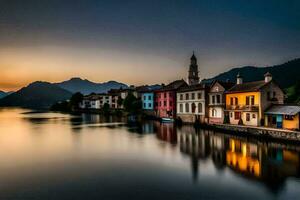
141,42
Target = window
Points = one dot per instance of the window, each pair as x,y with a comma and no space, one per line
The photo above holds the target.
231,115
165,103
199,95
250,100
289,117
200,109
165,95
187,96
218,98
144,97
274,121
254,116
144,105
237,115
181,96
231,101
149,105
247,117
213,99
181,108
187,108
149,97
193,95
193,108
214,112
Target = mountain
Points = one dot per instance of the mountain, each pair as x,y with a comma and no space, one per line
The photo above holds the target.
286,74
87,87
36,95
2,94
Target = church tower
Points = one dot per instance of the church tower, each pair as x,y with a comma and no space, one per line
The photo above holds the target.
193,77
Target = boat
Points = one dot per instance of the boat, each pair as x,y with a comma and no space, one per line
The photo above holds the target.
167,120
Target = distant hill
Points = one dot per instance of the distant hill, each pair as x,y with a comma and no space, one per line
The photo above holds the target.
86,87
286,75
2,94
36,95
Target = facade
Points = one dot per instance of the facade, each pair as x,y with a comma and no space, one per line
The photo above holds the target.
90,102
193,76
97,101
147,100
165,99
191,104
283,116
247,102
216,104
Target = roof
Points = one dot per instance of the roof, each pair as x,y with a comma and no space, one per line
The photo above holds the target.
174,85
247,87
283,110
192,87
225,84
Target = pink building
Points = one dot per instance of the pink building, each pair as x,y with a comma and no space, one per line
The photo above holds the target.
165,99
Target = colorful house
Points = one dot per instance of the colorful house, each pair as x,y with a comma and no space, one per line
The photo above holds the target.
191,104
165,99
216,104
97,101
283,116
247,102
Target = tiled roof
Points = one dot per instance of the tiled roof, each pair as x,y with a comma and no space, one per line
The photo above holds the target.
283,110
247,87
173,85
192,87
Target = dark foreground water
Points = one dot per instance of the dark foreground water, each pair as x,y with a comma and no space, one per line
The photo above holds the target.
56,156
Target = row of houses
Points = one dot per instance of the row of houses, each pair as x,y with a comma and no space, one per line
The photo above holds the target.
259,103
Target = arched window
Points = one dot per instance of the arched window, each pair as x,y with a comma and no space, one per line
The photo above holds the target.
181,108
193,107
187,108
214,112
200,110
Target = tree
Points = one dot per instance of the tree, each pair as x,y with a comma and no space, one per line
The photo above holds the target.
106,109
120,101
75,100
132,104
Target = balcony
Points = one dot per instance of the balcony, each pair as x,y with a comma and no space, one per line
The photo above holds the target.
243,107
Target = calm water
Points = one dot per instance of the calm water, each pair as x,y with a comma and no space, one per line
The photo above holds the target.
57,156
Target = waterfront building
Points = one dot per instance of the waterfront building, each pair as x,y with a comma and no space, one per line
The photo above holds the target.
247,102
165,99
216,98
283,116
191,104
97,101
90,102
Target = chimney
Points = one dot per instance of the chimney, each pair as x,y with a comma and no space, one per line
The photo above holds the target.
239,79
268,77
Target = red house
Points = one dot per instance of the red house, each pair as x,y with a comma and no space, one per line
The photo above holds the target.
165,99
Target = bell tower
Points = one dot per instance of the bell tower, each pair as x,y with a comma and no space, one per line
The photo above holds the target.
193,77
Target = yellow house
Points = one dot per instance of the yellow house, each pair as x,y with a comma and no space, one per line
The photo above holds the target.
283,116
246,102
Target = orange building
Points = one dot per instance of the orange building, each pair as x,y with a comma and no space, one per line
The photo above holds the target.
247,102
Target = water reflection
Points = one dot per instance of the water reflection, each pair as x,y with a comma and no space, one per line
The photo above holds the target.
271,163
96,157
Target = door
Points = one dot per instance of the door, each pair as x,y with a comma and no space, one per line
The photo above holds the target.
279,120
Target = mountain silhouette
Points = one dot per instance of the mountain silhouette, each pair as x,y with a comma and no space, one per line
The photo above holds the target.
36,95
286,74
86,87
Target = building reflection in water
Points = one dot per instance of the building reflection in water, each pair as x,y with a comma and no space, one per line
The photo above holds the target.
267,162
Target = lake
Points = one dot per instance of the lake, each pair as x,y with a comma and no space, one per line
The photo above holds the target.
60,156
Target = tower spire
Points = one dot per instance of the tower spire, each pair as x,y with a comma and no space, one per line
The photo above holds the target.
193,77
